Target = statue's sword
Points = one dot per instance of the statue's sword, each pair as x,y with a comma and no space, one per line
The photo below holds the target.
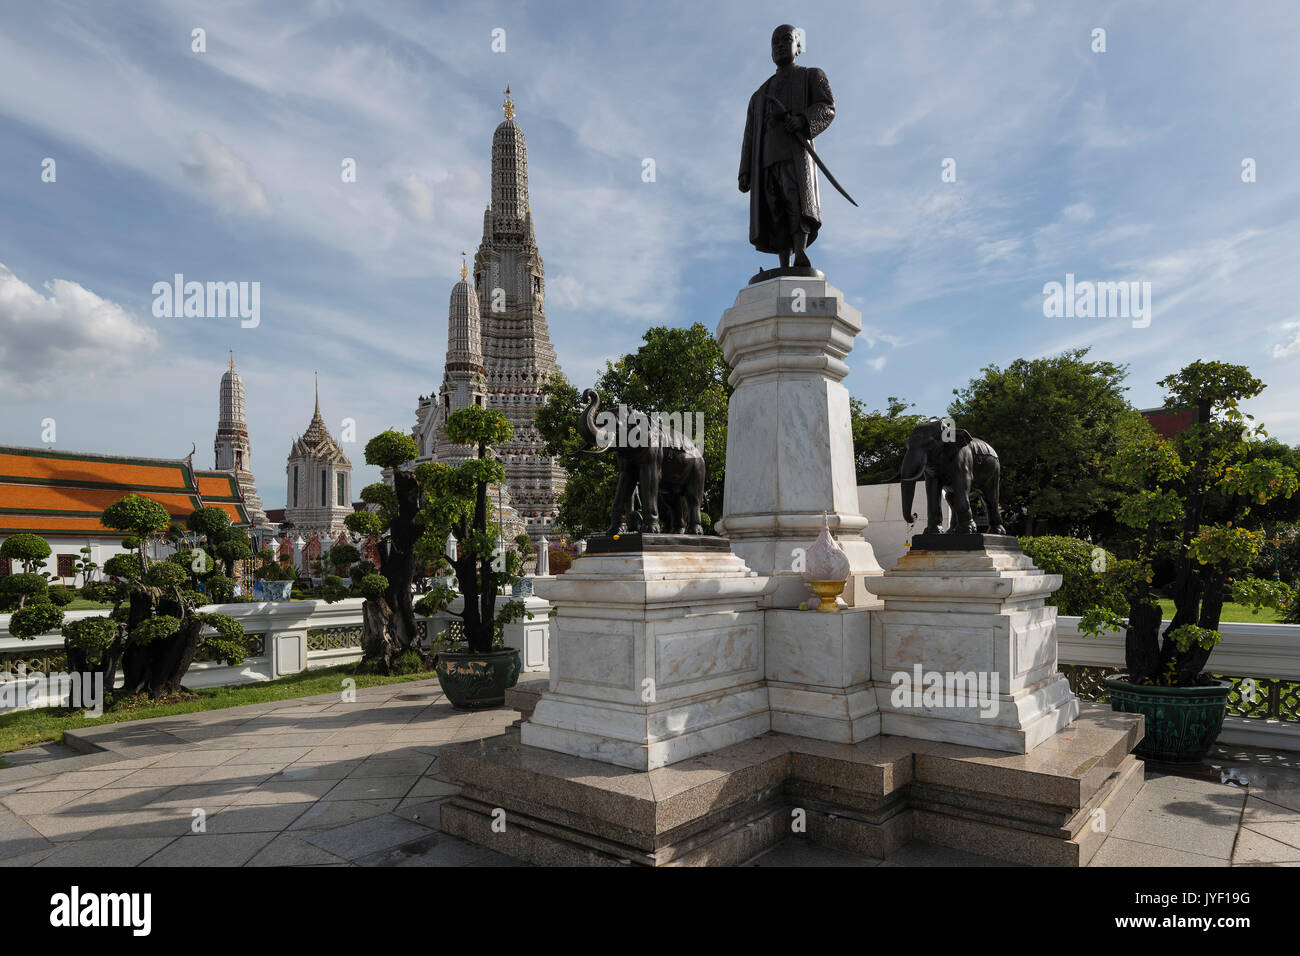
807,144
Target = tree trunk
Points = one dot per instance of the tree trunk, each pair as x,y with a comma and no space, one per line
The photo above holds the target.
158,668
399,561
478,626
1142,642
173,659
135,658
379,644
388,624
79,662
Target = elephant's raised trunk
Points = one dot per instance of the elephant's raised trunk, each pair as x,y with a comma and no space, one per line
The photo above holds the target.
587,418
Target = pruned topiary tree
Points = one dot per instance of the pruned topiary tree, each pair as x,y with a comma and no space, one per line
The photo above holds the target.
159,631
29,550
455,503
389,631
35,610
410,520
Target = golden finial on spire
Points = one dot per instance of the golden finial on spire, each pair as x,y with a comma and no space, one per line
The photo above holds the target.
232,360
509,105
464,271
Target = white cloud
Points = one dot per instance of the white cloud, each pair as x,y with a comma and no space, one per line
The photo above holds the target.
69,330
1283,349
412,196
564,290
1000,249
224,176
1077,212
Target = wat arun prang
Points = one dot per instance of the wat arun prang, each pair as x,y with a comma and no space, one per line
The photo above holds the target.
514,345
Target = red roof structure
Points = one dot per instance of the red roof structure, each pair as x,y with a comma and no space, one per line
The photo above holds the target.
1168,422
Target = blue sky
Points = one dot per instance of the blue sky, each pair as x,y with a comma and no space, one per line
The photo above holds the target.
224,165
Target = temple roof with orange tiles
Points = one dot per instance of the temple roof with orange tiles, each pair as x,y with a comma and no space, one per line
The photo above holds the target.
62,494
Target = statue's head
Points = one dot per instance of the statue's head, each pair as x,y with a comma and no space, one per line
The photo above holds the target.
787,43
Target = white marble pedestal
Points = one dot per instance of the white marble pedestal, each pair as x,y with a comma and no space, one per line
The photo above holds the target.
790,441
655,657
965,613
819,674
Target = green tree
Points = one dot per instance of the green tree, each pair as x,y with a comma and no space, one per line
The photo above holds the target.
342,557
85,566
388,617
159,630
30,550
1053,424
223,541
455,503
674,370
18,590
880,439
1197,498
589,488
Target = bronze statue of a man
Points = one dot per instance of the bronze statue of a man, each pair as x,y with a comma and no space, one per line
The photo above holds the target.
793,106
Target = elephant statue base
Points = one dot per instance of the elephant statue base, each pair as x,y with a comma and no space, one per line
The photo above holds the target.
637,542
966,542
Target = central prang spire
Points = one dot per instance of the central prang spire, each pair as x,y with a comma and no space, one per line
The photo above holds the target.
509,175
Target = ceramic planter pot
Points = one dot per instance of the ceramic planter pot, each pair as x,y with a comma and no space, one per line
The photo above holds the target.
1182,723
475,681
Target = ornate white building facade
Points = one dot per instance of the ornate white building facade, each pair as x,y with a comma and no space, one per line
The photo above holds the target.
231,448
505,311
319,475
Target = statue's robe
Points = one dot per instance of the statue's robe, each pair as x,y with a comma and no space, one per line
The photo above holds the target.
809,95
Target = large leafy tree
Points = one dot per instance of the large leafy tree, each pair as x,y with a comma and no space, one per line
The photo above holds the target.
1053,424
880,439
1198,499
674,370
589,488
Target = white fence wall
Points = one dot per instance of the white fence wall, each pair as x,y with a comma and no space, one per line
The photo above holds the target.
284,626
1248,650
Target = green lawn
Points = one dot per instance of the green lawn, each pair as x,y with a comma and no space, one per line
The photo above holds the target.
31,727
1233,613
81,604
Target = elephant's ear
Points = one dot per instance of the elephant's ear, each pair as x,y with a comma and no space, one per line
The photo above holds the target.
962,437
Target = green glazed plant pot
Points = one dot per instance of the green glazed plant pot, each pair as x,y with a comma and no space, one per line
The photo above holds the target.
1182,723
475,681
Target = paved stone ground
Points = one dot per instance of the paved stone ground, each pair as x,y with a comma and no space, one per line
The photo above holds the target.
317,782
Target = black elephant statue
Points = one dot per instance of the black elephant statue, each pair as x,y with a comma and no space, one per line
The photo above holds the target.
956,465
661,472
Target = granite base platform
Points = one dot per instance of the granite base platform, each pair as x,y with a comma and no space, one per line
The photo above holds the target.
1053,806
